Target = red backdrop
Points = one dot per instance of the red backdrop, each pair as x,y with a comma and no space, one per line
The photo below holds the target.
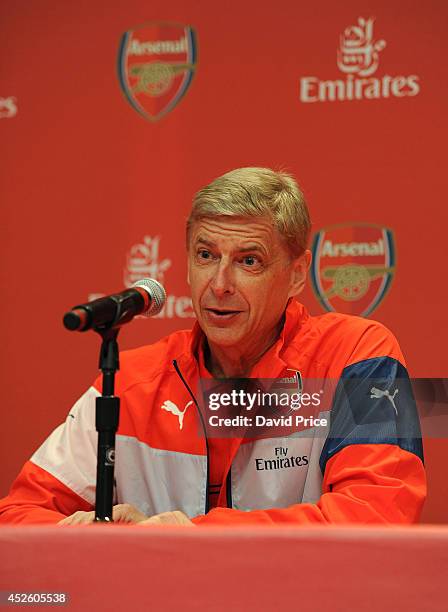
95,194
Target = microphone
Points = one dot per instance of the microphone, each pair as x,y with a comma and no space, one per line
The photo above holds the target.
146,297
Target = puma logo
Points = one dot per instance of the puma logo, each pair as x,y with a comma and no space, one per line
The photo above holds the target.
377,393
170,406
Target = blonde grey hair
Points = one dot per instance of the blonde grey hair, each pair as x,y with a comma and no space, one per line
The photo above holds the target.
257,192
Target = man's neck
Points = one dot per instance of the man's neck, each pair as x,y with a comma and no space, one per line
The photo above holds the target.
232,362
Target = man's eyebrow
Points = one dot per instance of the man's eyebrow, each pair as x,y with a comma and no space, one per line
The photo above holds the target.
204,241
250,248
253,248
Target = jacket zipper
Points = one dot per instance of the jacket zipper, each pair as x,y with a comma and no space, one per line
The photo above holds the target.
229,488
179,373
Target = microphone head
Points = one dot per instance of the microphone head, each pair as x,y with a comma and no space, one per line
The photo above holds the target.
156,293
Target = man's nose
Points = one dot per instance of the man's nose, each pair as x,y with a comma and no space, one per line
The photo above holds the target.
222,282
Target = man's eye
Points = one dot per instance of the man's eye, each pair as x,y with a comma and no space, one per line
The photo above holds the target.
251,261
204,255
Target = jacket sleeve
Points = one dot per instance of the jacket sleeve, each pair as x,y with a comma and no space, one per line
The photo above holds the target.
37,497
363,484
60,477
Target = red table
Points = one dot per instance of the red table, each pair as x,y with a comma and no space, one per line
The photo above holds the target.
133,568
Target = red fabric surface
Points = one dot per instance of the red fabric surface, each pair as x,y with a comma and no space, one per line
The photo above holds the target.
137,568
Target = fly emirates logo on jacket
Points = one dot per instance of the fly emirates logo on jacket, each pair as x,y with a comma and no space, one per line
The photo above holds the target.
280,461
277,421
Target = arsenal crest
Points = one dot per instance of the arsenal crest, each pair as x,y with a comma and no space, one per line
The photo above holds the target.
353,266
156,63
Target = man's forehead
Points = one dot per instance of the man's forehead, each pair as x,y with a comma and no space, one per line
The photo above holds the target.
242,230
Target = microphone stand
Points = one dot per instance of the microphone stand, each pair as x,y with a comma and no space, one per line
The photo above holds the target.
106,422
150,296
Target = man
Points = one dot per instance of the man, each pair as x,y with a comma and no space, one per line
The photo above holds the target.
247,260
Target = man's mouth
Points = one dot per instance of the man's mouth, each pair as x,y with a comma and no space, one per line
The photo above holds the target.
222,312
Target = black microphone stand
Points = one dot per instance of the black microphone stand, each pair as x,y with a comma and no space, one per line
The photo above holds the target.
106,421
105,316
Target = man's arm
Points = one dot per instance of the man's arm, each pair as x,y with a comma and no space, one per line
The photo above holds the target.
60,477
363,484
38,497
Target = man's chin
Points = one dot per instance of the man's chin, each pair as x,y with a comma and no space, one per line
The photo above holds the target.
222,336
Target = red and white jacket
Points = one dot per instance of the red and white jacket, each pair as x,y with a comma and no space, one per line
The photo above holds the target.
364,469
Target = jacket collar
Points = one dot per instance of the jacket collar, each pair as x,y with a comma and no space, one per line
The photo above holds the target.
282,355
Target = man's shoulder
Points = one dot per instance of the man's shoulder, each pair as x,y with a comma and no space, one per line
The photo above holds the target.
344,325
145,363
338,340
334,325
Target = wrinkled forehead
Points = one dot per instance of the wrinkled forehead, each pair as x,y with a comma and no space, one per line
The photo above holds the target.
236,232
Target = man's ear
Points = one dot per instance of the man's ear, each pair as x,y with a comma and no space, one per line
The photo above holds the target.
298,273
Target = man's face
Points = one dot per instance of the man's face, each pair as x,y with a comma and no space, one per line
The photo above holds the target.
241,277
